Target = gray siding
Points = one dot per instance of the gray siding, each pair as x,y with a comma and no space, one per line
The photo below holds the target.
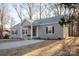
58,31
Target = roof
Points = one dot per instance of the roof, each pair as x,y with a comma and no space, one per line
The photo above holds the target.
25,21
15,26
47,20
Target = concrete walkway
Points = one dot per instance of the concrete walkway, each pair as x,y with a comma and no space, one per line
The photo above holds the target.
9,45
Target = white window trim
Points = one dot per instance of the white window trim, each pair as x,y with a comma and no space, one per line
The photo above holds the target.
48,30
14,31
37,31
25,30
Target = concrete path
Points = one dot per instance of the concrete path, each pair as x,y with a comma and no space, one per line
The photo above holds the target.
9,45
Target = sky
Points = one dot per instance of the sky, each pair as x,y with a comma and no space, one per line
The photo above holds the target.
14,18
13,14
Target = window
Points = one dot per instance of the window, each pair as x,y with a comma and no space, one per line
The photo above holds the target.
14,32
49,29
24,31
46,30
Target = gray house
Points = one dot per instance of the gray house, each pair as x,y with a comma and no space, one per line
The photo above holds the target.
44,28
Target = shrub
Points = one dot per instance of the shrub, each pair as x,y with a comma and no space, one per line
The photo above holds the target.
59,38
6,36
28,36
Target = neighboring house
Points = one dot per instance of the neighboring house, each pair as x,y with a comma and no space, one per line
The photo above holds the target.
44,28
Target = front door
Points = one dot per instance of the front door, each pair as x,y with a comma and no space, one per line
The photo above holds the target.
34,31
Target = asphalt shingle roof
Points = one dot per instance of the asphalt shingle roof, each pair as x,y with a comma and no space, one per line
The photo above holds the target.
47,20
43,21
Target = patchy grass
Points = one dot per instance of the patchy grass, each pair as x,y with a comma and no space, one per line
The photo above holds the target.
45,48
51,49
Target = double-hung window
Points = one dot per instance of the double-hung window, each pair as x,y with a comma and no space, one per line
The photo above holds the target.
24,31
14,31
50,29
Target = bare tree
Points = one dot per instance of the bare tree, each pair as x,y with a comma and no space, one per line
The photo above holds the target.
18,10
45,10
29,10
28,7
3,18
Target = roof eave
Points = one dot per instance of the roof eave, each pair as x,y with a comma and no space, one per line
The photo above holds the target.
44,24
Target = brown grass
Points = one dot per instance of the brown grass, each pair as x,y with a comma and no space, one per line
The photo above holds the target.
25,49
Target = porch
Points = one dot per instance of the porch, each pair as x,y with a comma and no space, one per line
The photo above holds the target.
32,32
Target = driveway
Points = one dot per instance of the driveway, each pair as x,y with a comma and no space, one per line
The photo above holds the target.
9,45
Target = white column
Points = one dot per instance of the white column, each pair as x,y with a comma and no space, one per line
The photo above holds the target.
11,29
31,31
37,31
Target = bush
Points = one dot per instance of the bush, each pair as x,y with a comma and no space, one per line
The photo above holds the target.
6,36
59,38
28,36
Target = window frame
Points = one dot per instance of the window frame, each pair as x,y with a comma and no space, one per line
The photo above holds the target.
14,31
50,28
25,29
53,29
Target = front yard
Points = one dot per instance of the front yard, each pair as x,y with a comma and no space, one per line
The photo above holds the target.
29,48
45,48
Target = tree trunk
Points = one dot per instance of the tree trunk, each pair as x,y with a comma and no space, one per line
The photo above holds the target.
72,29
69,31
77,29
1,32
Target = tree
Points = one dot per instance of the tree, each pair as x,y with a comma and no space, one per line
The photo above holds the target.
43,10
56,8
6,36
62,21
71,19
18,10
28,7
3,18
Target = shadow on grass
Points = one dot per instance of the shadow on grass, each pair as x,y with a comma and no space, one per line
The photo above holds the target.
68,47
